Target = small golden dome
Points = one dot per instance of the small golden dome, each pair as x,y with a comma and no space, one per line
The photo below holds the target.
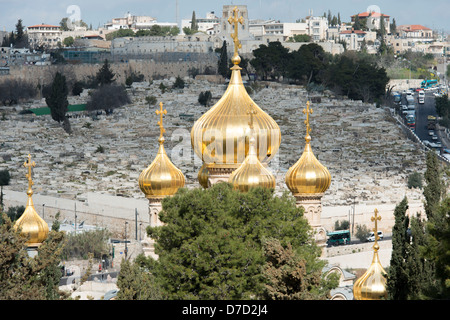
251,173
372,284
30,224
203,175
161,178
308,175
218,136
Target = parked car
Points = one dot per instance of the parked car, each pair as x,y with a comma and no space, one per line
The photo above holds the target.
371,236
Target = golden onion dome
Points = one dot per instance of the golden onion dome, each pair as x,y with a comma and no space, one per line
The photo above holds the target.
203,175
308,175
251,173
218,136
161,178
372,284
30,224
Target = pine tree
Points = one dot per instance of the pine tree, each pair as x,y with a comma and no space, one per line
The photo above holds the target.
397,280
135,282
211,243
288,277
25,278
105,74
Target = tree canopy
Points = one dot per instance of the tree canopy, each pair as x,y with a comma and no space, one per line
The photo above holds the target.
212,243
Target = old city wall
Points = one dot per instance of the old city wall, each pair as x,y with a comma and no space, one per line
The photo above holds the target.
74,72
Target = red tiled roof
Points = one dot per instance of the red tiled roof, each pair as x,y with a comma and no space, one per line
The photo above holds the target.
373,14
43,25
412,27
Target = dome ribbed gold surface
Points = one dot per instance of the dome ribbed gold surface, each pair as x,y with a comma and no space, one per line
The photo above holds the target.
218,136
372,284
30,224
308,175
161,178
251,173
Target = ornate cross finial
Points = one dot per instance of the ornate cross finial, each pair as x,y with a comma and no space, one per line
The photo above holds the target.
28,164
161,112
237,45
251,111
307,111
375,218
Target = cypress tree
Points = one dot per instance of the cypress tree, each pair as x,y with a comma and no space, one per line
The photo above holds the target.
434,188
397,280
222,68
57,101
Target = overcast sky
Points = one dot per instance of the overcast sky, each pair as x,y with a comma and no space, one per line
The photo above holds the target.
433,14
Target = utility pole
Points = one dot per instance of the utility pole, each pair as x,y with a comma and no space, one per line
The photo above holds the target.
135,222
126,247
75,218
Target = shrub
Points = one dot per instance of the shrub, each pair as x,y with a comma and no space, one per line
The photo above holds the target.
108,98
362,232
415,180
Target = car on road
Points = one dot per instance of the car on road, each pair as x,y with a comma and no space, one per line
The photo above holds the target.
371,236
434,137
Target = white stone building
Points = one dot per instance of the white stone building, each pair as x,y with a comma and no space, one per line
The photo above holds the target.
45,35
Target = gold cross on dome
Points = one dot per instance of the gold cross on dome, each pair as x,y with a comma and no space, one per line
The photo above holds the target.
28,164
235,20
251,112
307,111
161,112
375,218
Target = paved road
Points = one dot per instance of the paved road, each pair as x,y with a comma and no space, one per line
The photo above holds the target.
422,113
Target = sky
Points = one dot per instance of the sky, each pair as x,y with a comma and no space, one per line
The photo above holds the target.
432,14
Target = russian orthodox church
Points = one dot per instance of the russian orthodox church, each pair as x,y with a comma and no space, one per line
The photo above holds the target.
235,140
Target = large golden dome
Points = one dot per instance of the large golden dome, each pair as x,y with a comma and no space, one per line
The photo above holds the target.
218,136
161,178
308,175
372,284
251,173
30,224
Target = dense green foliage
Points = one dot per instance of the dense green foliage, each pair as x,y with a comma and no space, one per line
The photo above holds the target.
420,248
135,282
415,180
87,242
25,278
443,110
154,31
355,75
212,243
